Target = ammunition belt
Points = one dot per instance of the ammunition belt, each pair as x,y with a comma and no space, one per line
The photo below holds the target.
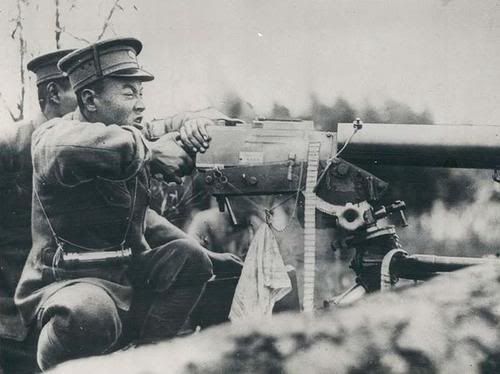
310,226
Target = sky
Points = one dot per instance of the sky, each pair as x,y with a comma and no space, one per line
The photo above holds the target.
437,55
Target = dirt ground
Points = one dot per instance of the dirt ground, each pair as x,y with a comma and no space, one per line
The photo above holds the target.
448,325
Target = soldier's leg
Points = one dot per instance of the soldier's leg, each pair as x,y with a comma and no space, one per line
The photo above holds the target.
78,321
215,304
175,275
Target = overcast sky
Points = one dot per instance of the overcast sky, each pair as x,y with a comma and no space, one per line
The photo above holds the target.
439,55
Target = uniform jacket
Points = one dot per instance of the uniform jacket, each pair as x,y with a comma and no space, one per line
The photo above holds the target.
91,190
15,217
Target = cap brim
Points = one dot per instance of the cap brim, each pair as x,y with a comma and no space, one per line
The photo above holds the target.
139,74
51,58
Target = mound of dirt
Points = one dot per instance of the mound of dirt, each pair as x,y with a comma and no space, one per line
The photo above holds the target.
448,325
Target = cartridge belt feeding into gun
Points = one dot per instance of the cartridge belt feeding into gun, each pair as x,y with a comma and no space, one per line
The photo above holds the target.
310,226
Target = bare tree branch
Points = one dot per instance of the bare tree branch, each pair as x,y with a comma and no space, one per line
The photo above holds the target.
79,38
112,29
23,50
7,108
107,21
22,54
18,32
107,25
16,28
58,25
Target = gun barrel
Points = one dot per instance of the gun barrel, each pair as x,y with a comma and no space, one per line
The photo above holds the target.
463,146
423,266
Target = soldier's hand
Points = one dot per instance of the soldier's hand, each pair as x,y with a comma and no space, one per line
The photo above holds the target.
194,135
170,159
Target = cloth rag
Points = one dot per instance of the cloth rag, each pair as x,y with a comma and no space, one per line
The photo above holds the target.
264,279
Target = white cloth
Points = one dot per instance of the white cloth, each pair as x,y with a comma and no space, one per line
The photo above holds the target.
264,279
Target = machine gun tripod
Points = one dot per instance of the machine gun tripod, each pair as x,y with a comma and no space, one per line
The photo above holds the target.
380,259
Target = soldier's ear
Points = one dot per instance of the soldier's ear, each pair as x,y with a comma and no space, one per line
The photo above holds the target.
53,91
88,99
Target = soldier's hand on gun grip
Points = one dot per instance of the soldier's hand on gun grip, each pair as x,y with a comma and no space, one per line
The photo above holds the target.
194,135
170,159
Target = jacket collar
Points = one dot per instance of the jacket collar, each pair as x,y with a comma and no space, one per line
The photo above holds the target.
38,120
77,115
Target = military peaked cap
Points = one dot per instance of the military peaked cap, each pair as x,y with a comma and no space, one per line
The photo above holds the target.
45,66
108,58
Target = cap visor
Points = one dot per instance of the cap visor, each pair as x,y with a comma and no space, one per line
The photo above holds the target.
139,74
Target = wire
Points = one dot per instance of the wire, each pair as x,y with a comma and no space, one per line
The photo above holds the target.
356,129
270,223
329,162
268,212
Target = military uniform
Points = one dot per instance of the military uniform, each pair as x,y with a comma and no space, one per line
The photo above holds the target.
91,194
16,191
15,219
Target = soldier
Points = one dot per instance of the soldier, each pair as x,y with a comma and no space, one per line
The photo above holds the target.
177,202
56,98
93,274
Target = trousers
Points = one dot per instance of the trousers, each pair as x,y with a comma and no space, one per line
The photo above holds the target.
82,319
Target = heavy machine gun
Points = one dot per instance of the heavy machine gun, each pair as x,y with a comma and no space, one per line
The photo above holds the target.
269,157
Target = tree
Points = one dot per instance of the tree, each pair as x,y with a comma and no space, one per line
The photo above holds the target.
327,117
396,112
370,114
18,36
280,111
106,25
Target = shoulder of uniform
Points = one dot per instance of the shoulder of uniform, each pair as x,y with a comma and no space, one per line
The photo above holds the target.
67,119
51,122
48,125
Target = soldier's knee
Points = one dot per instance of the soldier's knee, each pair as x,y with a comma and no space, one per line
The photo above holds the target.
89,309
181,261
200,265
80,320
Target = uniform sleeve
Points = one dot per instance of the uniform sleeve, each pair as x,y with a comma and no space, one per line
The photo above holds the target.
159,231
199,229
159,127
71,152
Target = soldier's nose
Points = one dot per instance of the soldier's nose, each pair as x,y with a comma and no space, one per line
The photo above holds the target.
139,106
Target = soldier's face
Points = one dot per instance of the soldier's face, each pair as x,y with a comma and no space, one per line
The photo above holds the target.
120,102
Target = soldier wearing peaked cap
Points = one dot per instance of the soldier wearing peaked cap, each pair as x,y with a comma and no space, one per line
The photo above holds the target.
92,259
56,98
55,95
